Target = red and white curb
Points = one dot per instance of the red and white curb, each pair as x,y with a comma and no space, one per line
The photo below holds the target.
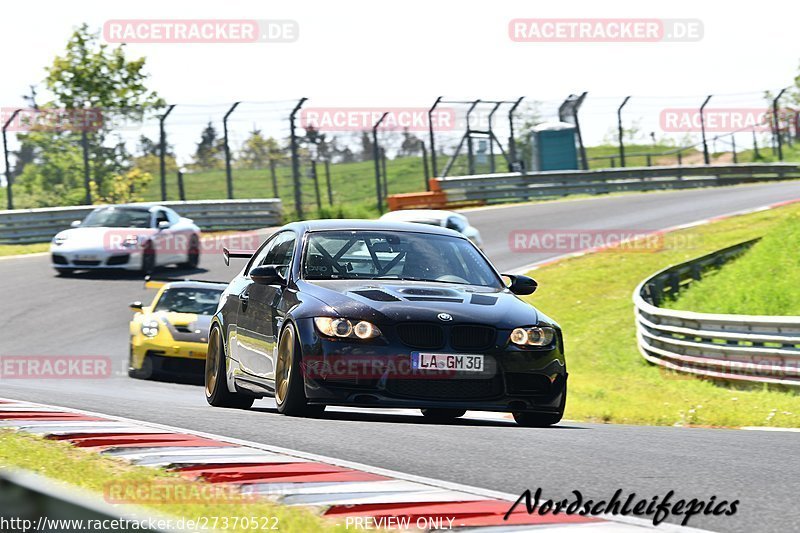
336,489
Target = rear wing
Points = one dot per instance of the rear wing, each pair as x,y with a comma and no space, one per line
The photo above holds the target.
239,254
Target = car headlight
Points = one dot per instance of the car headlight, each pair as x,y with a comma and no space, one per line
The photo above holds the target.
344,328
150,328
533,336
58,240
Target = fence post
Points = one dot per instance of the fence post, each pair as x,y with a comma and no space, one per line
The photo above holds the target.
316,183
228,174
181,193
328,181
777,123
9,193
425,164
298,198
706,158
383,170
621,132
756,155
512,143
431,135
376,157
87,178
162,151
274,177
733,145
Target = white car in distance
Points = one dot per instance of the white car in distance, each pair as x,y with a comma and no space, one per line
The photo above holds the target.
127,236
437,217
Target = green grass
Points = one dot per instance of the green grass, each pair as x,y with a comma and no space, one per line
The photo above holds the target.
590,296
64,463
764,281
19,249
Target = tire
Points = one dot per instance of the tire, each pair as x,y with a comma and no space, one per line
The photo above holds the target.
443,415
145,372
148,258
541,420
216,387
290,396
192,255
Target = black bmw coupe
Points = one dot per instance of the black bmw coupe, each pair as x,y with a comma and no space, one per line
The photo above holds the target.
365,313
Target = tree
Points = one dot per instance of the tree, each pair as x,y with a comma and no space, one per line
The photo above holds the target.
257,151
410,144
123,188
366,146
210,153
89,81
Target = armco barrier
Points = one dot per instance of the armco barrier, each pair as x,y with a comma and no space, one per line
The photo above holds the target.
515,187
30,502
751,348
40,225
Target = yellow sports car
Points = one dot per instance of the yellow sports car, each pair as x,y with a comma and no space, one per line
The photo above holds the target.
169,337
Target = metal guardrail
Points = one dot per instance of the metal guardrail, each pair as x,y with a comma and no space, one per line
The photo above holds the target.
40,225
490,188
750,348
30,502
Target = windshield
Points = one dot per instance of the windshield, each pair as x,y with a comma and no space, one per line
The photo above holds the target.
395,255
189,300
117,217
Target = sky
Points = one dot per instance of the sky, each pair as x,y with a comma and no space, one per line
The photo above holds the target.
390,54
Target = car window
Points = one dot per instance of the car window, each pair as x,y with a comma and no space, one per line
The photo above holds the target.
395,255
277,251
280,252
189,300
161,216
117,217
172,216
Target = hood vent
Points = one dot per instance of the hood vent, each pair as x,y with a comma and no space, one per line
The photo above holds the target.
434,299
428,292
376,295
482,299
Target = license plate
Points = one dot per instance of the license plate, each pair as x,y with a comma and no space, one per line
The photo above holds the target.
86,257
446,361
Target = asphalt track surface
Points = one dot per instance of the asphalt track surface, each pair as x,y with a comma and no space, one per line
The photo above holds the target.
88,315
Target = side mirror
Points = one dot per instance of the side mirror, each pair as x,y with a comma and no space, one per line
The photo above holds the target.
164,224
521,285
136,306
266,275
75,224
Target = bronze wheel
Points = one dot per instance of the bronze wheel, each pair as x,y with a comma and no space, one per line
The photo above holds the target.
216,381
290,396
283,366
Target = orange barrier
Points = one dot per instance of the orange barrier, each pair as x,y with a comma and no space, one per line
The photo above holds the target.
417,200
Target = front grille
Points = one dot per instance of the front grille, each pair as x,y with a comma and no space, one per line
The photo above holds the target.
59,260
445,389
118,259
423,336
79,262
472,337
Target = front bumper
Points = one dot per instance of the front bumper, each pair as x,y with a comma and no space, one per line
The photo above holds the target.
378,374
142,346
76,259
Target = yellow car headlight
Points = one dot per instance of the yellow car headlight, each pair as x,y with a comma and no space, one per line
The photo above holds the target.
150,328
